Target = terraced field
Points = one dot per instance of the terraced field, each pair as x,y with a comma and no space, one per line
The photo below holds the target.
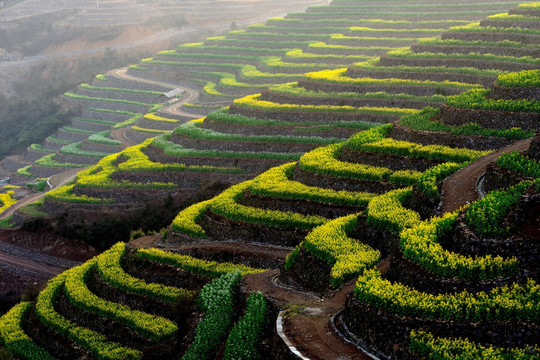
338,185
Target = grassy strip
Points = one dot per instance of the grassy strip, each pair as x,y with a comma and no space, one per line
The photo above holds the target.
173,149
197,266
65,194
91,98
134,91
275,183
407,53
192,130
103,138
338,77
224,117
132,120
478,99
75,149
456,42
40,148
294,89
225,205
475,27
49,161
372,65
423,122
253,102
375,141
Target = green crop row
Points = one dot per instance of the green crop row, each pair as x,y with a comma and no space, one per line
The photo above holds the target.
300,54
514,17
77,130
295,33
229,80
508,303
25,171
210,88
91,98
65,194
197,266
15,339
294,89
134,91
526,78
216,300
407,53
75,149
109,265
224,117
375,140
373,65
282,44
378,39
197,56
531,5
519,164
330,243
225,205
245,337
39,147
386,212
423,32
457,42
401,5
477,99
353,49
281,20
234,49
276,63
420,245
253,102
475,27
424,121
154,327
485,215
428,182
412,14
324,161
97,344
275,183
173,149
49,161
127,122
103,138
94,121
430,347
338,77
192,130
186,222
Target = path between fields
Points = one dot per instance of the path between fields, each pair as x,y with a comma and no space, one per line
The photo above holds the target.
460,188
26,264
173,109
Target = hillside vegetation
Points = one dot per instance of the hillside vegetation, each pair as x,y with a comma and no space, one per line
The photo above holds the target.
404,183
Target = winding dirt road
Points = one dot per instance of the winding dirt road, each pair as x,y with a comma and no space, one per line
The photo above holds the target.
459,189
173,109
